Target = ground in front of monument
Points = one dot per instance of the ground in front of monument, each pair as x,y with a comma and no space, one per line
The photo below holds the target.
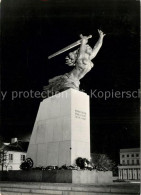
39,188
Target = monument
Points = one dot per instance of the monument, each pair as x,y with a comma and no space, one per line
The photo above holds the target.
61,131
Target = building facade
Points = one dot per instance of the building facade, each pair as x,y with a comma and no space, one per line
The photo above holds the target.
12,155
129,168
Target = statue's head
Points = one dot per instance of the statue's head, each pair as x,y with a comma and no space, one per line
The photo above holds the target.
71,58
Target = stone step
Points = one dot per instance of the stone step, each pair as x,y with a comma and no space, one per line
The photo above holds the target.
36,188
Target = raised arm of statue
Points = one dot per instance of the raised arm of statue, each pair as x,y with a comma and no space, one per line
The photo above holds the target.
82,49
97,45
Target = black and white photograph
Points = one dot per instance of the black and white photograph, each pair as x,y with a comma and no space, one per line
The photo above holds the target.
70,97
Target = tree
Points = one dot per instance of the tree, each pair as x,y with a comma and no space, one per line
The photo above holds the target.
102,162
3,159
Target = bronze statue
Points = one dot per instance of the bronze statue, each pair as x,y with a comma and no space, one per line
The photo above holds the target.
81,60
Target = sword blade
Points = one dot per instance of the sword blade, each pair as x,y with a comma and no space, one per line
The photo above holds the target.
64,49
67,48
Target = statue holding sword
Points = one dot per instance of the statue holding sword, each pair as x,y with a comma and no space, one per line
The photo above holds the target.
80,59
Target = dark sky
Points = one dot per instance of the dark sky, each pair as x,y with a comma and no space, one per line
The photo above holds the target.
31,30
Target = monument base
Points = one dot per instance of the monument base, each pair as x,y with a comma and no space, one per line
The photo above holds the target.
61,131
59,176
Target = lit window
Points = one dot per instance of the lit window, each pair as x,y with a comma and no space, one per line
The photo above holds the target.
11,157
22,157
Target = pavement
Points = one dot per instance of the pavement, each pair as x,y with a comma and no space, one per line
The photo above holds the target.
39,188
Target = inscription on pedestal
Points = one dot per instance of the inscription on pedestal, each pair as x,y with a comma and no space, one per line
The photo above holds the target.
80,114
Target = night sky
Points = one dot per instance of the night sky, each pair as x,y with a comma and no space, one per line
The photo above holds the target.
31,30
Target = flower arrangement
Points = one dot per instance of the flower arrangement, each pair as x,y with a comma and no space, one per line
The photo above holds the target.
99,162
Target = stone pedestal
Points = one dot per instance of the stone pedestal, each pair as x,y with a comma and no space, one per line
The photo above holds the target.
61,131
59,176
